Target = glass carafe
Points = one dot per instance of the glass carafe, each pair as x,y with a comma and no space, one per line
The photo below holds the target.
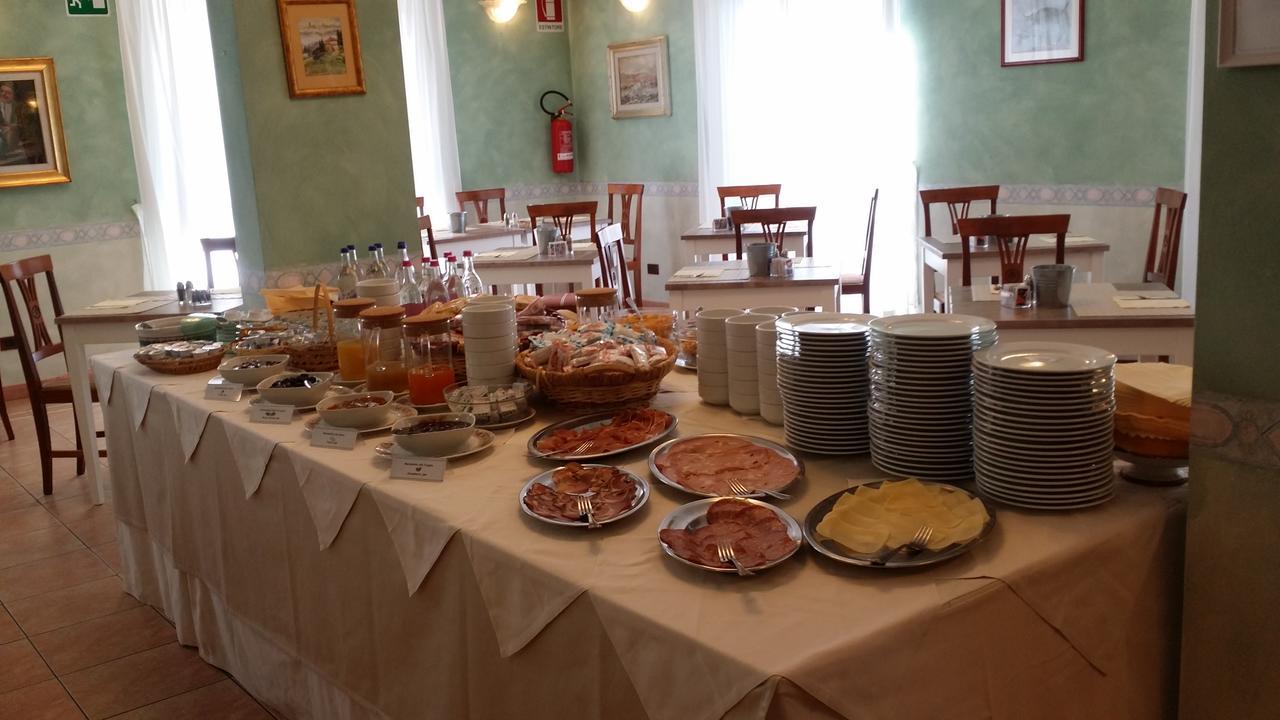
381,335
428,353
346,331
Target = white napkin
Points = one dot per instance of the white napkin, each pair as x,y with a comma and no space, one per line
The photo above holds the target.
418,536
251,450
328,492
984,292
698,272
190,416
1140,303
120,303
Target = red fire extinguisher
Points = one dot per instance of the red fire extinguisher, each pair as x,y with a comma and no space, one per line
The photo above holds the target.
561,133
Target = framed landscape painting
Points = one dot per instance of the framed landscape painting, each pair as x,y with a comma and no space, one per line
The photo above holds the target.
321,47
32,148
638,81
1033,32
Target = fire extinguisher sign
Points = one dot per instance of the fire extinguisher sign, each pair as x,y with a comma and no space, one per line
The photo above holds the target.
550,15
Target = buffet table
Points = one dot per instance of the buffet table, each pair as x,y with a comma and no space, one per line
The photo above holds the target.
331,591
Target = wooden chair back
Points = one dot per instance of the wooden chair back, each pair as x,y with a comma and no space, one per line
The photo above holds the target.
479,199
630,194
870,239
1162,250
562,215
958,201
613,260
749,194
34,341
424,226
420,202
773,221
213,245
1011,234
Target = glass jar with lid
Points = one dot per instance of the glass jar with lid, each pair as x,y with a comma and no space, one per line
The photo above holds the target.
346,333
428,354
595,304
382,337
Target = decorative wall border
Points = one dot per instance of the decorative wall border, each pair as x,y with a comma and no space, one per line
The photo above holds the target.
573,189
1078,195
67,235
1237,429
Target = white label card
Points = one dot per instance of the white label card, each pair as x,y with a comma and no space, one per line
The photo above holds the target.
271,414
418,468
230,392
333,437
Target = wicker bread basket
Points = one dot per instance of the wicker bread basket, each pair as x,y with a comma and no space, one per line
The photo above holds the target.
599,386
321,354
182,366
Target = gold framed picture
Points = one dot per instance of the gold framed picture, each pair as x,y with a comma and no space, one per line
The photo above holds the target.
33,150
638,82
321,47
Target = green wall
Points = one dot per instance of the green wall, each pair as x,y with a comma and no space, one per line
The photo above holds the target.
322,172
86,56
1116,118
639,149
498,73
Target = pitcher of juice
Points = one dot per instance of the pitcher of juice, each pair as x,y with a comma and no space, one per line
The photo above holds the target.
346,331
381,335
428,353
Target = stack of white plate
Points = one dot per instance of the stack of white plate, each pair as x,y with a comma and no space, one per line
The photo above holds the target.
489,334
921,408
713,356
822,379
1043,423
740,339
767,372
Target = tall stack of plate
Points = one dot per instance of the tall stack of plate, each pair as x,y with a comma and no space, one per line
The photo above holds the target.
1043,423
822,379
921,409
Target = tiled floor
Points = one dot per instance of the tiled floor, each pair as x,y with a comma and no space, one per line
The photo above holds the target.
73,644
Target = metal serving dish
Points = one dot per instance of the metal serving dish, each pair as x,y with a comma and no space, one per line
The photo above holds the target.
694,515
661,451
593,420
548,478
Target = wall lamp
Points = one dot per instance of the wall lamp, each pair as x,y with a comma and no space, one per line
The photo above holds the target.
501,11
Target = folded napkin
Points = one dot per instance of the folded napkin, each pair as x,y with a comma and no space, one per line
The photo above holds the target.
1131,302
251,451
120,303
698,272
329,492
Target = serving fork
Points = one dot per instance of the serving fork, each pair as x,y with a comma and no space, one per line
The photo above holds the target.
568,454
585,508
737,488
725,552
917,544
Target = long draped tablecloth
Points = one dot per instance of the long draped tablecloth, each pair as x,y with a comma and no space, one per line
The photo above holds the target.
332,591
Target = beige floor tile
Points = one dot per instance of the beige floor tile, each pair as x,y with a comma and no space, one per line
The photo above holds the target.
9,630
54,573
32,546
99,640
67,606
12,495
220,701
139,680
42,701
110,554
22,666
25,520
97,527
75,508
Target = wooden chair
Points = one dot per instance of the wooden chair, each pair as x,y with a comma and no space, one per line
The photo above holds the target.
958,200
6,343
749,194
1162,250
480,200
628,193
421,203
562,215
40,346
774,223
1011,234
424,225
213,245
861,284
613,261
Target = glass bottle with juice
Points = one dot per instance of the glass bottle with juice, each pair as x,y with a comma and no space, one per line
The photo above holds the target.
381,335
346,332
428,352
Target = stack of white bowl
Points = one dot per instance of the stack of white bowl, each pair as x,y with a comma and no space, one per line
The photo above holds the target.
744,384
822,379
384,291
774,310
489,334
921,408
713,356
767,372
1043,420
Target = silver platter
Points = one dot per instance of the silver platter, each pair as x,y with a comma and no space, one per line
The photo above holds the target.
665,447
592,420
548,478
694,515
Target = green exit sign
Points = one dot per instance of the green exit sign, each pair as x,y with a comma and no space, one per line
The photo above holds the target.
88,7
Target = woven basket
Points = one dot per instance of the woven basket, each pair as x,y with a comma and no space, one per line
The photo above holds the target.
321,355
182,366
601,386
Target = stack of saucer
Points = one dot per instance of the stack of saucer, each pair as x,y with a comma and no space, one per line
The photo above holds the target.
713,356
822,379
921,409
489,334
767,372
740,339
1043,424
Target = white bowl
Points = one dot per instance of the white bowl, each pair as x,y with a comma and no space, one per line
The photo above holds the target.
745,388
501,356
714,396
709,318
384,291
358,417
744,325
438,442
712,379
494,299
483,345
296,396
771,414
743,372
477,310
744,405
250,377
774,310
489,330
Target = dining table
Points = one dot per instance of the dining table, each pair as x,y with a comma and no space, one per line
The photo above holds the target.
705,242
1094,317
517,265
944,256
814,283
112,322
486,236
330,589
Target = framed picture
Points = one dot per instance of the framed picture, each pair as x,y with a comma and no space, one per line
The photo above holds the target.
1248,33
32,148
1034,32
638,81
321,47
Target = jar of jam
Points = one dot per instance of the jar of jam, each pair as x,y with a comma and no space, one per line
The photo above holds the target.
428,353
595,304
382,338
346,331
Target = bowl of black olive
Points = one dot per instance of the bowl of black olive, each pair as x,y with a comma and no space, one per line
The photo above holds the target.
249,370
300,389
434,435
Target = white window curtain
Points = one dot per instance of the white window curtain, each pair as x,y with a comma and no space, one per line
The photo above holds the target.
172,98
433,139
818,95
